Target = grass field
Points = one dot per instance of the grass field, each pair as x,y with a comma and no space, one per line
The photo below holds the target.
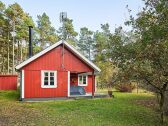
126,109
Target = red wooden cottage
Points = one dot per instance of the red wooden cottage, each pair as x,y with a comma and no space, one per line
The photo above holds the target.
55,71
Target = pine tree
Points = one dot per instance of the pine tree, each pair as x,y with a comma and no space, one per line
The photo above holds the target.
46,32
69,33
86,43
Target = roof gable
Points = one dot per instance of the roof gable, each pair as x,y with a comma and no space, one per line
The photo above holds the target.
71,48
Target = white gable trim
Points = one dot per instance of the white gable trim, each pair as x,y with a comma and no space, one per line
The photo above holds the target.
54,46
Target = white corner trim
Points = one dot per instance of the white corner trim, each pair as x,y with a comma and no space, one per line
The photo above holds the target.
82,80
22,83
68,83
54,46
42,79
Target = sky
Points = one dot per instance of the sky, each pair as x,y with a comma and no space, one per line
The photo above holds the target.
85,13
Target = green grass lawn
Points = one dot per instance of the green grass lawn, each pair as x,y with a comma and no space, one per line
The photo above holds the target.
123,110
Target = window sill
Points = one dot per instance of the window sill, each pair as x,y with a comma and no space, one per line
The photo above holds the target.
48,86
84,85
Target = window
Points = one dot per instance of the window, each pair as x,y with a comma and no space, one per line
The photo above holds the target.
48,79
82,80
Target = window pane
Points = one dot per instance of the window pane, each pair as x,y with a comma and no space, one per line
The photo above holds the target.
45,73
51,78
80,79
84,79
45,82
51,83
45,78
51,73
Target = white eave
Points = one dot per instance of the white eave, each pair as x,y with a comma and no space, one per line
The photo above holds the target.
92,65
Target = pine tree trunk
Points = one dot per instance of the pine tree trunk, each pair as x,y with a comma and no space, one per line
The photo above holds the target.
21,52
18,52
8,53
3,58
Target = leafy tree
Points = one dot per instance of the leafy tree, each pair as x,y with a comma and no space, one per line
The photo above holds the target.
146,58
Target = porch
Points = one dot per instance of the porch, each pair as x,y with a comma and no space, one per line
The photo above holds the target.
81,84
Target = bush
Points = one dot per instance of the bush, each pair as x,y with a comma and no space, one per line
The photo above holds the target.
125,87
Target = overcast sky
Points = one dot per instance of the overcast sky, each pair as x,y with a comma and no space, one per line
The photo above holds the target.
89,13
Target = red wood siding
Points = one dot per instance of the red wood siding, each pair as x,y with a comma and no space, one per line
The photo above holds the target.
52,60
33,85
8,82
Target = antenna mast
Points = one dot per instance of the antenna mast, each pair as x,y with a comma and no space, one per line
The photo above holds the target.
63,18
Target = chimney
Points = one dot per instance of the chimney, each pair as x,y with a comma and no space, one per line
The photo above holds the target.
30,41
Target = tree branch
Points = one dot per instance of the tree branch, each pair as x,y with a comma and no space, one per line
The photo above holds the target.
148,81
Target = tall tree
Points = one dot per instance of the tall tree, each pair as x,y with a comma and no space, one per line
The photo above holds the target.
86,43
13,15
67,32
101,42
3,37
13,19
147,58
101,39
46,31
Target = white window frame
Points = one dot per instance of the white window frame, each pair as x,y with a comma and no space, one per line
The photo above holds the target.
42,79
82,80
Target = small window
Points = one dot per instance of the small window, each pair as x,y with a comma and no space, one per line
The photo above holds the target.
48,79
82,80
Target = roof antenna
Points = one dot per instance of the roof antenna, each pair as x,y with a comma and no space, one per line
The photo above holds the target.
63,18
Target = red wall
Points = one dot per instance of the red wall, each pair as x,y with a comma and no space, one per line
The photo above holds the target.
33,85
8,82
52,61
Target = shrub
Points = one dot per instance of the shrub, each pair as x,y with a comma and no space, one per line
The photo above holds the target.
125,87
